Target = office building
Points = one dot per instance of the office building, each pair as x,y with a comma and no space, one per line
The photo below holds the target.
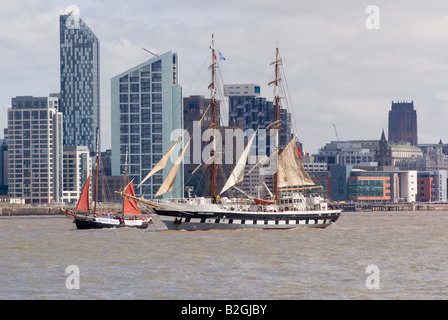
432,186
248,110
147,117
80,82
403,123
35,149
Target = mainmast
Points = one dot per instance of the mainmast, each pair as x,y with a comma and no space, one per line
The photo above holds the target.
276,82
213,105
96,169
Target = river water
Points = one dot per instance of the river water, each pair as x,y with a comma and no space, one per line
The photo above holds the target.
373,255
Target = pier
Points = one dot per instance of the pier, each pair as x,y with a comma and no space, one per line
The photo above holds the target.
365,206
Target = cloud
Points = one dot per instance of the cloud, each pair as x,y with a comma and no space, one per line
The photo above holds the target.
338,72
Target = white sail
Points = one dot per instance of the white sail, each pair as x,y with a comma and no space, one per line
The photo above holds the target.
263,161
162,162
290,168
168,183
237,174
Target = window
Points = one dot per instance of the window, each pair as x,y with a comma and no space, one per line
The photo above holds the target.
135,128
146,146
156,87
157,118
124,88
157,128
135,108
135,87
135,118
124,108
156,107
146,85
146,115
124,98
135,97
146,130
157,66
157,148
157,138
157,97
156,77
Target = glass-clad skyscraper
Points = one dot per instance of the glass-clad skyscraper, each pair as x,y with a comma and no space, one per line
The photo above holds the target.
80,82
147,116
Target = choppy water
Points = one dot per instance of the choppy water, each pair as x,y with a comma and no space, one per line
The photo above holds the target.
409,249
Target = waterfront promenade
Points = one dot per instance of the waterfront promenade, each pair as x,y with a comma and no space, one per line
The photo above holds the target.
365,206
24,210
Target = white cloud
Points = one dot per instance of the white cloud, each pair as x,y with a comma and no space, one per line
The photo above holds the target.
337,70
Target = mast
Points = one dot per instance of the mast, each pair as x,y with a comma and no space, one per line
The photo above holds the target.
96,168
276,82
125,171
213,105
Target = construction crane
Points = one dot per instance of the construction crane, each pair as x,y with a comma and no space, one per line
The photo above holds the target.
336,131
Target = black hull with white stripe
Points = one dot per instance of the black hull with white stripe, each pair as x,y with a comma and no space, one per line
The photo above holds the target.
108,224
191,221
84,222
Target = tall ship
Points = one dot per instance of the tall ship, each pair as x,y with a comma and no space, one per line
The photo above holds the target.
287,207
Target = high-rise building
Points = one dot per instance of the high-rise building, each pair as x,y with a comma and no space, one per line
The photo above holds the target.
80,82
147,117
247,110
35,149
403,122
4,165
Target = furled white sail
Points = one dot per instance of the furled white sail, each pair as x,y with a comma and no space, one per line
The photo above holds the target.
237,174
168,183
290,168
162,162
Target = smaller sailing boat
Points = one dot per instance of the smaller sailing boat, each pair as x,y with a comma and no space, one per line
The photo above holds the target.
85,219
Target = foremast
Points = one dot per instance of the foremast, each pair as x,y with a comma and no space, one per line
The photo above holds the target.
213,103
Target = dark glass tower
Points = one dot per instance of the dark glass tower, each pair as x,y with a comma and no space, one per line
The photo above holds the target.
80,82
403,122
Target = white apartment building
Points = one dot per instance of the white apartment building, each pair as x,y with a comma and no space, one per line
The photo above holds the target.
77,165
35,149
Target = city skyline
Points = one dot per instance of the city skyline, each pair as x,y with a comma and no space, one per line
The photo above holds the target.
339,72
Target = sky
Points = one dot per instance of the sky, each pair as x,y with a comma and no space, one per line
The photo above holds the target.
344,64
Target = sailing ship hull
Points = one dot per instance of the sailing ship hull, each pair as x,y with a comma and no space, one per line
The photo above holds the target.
89,222
106,223
192,221
95,223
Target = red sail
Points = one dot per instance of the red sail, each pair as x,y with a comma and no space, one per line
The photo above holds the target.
130,205
83,201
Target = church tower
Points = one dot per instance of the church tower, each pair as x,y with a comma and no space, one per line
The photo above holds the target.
383,155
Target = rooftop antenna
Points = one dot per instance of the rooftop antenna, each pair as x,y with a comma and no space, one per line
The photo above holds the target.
154,54
336,131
